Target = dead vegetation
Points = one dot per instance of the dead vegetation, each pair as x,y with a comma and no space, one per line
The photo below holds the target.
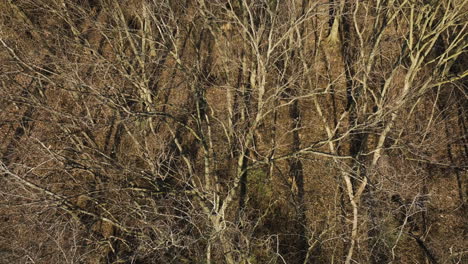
233,131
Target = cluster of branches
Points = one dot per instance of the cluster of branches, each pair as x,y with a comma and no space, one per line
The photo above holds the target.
233,131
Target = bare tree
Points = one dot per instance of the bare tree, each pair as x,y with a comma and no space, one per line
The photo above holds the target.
232,131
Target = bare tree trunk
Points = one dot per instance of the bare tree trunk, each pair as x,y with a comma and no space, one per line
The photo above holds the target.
296,174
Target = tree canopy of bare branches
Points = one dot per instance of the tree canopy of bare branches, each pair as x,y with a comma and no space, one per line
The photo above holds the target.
233,131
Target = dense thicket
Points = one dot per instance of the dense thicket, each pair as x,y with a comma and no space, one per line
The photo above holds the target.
233,131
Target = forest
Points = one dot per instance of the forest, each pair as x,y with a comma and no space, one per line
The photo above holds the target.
233,131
